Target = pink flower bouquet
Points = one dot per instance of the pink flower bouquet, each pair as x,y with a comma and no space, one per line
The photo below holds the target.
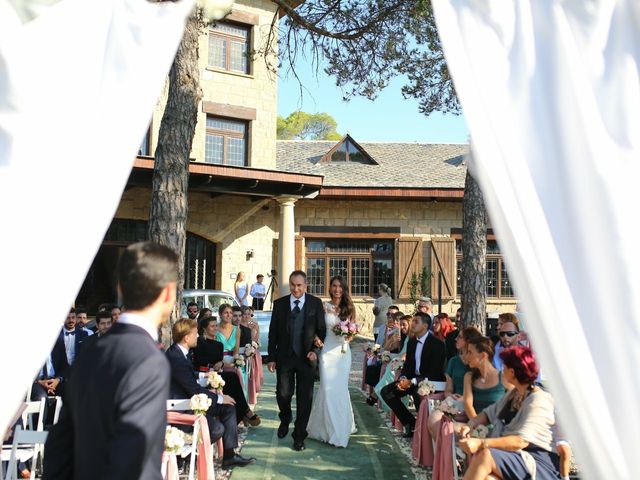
346,329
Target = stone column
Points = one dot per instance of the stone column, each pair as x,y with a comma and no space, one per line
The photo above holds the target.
286,242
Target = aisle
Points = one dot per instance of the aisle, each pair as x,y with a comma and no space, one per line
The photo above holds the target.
372,451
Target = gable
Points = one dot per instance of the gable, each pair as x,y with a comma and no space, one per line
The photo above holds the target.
348,150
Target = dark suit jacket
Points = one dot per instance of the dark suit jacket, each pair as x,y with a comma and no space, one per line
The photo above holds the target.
114,418
432,361
184,382
207,352
245,335
59,354
279,329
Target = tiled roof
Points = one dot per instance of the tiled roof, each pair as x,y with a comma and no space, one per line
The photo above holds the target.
416,165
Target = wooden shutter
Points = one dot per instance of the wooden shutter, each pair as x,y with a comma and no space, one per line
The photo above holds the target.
299,249
443,259
409,262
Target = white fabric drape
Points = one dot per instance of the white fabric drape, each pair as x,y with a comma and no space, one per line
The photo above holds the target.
77,88
551,93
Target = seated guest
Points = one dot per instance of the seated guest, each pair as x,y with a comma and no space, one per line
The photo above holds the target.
392,335
81,320
192,310
391,339
455,372
227,333
426,357
221,416
245,331
442,328
389,374
103,324
521,442
483,384
208,354
116,311
508,333
247,321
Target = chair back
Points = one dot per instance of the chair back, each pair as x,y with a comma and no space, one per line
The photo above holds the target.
31,409
25,437
56,412
181,405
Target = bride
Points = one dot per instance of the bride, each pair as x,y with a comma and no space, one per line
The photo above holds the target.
331,417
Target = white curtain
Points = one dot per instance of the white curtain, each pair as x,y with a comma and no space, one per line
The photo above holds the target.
78,83
551,93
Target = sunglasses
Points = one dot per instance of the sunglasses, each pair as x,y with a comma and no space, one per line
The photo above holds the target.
508,334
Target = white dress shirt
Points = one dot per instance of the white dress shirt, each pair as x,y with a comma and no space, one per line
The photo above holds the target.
142,322
69,344
301,300
185,352
257,290
419,348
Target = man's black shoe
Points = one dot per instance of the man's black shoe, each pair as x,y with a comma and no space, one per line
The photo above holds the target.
237,461
283,429
408,431
298,446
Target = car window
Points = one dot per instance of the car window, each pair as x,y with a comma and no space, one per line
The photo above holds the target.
215,301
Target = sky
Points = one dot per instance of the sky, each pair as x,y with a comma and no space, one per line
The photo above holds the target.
389,118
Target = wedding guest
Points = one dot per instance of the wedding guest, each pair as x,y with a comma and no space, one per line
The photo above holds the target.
208,354
241,289
258,293
113,425
483,383
426,357
425,305
81,320
116,311
192,310
67,347
227,334
392,335
508,330
103,324
441,328
390,338
247,321
203,315
221,415
381,307
245,332
522,422
454,373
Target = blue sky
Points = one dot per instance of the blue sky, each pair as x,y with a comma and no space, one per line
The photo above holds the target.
389,118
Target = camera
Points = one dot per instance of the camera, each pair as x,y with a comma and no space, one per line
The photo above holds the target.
273,273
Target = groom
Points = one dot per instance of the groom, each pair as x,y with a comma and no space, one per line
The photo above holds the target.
296,321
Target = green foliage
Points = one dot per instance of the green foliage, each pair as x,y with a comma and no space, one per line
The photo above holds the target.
425,282
420,285
413,288
307,126
364,44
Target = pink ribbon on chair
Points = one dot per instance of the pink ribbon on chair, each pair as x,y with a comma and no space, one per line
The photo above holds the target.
254,379
422,447
169,467
205,450
443,464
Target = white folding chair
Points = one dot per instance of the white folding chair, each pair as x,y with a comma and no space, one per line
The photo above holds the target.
181,405
35,441
30,411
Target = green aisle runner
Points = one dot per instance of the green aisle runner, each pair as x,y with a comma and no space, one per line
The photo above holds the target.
372,452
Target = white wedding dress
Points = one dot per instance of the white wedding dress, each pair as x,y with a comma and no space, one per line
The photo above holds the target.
331,418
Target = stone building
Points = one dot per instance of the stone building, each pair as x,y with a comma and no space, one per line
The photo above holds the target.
372,211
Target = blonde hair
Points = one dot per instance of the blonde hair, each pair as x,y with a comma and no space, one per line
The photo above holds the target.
238,276
182,328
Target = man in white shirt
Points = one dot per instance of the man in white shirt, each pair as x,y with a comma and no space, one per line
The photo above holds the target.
257,293
81,320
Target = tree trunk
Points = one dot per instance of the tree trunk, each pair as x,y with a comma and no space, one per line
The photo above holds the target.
474,253
169,200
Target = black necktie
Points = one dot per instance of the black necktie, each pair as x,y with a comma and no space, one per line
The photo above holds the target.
296,309
69,333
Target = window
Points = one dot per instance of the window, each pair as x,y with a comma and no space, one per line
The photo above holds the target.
497,281
364,263
347,150
145,145
226,142
229,47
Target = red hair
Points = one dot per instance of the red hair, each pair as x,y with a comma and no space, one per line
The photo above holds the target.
523,361
446,326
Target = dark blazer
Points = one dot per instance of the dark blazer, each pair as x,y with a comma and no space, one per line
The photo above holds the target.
114,418
184,382
432,361
279,329
207,352
245,335
59,354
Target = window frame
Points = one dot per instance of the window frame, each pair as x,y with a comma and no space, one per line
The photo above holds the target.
349,256
226,135
499,267
228,38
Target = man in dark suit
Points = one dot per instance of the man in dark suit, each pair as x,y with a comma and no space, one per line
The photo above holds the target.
113,420
296,333
221,415
426,358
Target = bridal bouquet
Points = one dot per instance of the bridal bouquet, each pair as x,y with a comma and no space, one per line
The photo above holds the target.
173,440
215,382
200,403
346,329
451,407
425,387
238,360
249,350
386,356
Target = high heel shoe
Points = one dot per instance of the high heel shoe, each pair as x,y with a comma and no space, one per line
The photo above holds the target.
254,420
372,401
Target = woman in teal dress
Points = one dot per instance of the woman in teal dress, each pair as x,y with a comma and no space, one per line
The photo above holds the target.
389,374
483,385
229,335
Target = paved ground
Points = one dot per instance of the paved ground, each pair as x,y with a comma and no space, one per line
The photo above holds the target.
375,451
